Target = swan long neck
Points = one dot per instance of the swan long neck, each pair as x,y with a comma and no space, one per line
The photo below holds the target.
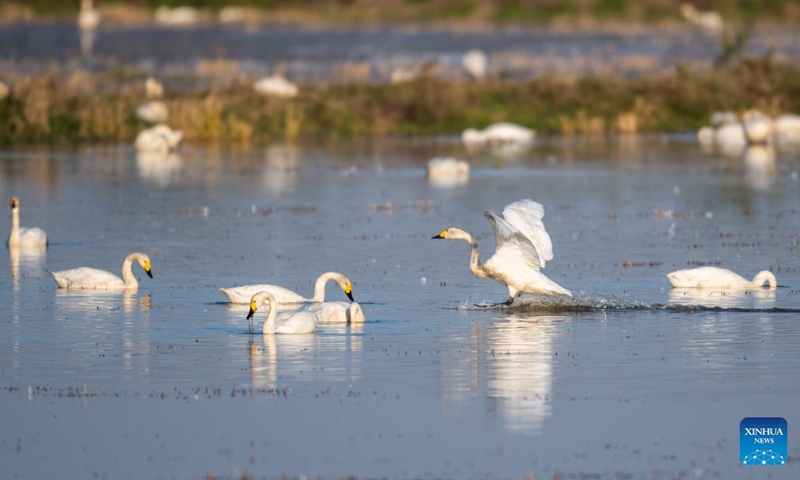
127,271
474,263
270,324
14,235
764,276
322,281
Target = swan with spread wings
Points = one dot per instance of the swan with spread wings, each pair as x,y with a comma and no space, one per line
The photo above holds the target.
521,250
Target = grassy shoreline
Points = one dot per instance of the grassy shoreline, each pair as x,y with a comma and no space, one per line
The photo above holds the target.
45,109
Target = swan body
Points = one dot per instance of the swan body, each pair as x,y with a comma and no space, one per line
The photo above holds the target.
705,136
88,18
714,277
153,88
522,248
498,134
277,86
159,138
709,20
448,171
787,129
154,111
337,312
730,138
93,279
282,295
178,16
758,128
299,321
475,63
21,236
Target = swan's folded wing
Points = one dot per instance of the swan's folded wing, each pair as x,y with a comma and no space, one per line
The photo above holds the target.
512,248
526,217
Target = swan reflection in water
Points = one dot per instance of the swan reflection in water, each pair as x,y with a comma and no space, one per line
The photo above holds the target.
25,259
760,167
102,301
733,298
282,162
513,358
333,354
163,169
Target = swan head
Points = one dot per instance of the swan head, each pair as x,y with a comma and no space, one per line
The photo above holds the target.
347,287
765,276
355,314
451,233
144,262
14,203
259,299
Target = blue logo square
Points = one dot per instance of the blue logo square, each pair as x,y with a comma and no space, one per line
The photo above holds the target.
762,441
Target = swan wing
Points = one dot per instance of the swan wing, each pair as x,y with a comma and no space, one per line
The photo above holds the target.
302,321
526,217
244,293
329,312
513,250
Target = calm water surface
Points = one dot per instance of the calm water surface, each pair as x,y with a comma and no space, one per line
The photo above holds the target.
627,378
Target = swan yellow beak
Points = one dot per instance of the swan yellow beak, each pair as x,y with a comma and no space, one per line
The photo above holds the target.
348,290
147,269
440,235
253,310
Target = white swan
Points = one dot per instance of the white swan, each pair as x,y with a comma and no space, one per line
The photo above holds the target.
276,85
448,172
178,16
159,138
475,63
244,293
522,248
787,130
154,111
758,127
709,20
93,279
20,236
730,139
88,18
153,88
337,312
714,277
300,321
498,134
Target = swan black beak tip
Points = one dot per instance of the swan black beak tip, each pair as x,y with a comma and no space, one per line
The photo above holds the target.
149,273
350,296
250,314
437,237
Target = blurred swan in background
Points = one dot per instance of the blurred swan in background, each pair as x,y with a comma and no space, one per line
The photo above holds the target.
714,277
299,321
24,236
708,20
154,110
337,312
94,279
476,63
787,130
177,17
522,248
160,138
88,18
277,86
498,134
282,295
448,172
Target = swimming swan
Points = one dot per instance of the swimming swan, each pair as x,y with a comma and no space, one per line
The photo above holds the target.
299,321
713,277
498,134
160,138
88,18
93,279
244,293
337,312
522,248
20,236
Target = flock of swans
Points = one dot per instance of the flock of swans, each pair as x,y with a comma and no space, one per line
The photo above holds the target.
522,248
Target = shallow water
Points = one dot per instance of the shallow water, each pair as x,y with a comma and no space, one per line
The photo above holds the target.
366,54
629,377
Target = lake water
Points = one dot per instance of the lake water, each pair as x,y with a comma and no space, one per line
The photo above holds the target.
197,56
628,378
